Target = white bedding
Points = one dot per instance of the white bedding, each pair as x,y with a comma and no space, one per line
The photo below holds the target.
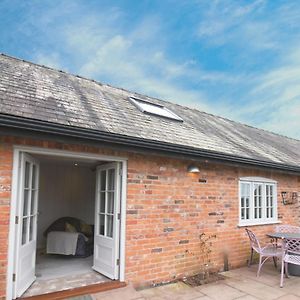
59,242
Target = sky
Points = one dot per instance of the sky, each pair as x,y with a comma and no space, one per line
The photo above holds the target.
237,59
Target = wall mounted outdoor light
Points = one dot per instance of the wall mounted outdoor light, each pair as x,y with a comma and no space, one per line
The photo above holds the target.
193,169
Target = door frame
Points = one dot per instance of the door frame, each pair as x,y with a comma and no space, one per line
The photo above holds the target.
17,150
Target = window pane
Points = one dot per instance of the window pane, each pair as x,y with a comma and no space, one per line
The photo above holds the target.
109,225
102,202
243,213
245,189
110,202
31,228
103,180
33,202
24,231
269,201
101,224
25,203
245,200
271,190
257,201
111,179
27,173
33,184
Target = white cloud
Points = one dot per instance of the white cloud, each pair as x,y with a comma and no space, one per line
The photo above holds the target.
238,25
241,11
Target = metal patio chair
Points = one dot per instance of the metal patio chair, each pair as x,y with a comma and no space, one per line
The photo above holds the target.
266,252
290,255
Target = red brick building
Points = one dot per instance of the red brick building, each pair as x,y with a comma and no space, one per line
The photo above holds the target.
167,189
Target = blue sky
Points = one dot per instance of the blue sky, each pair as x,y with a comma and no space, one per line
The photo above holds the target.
237,59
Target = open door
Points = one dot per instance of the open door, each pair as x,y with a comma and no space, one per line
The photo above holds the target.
107,222
26,224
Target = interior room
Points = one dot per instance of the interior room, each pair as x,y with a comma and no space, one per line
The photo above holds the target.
65,226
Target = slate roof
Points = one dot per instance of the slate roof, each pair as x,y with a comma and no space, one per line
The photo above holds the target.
32,91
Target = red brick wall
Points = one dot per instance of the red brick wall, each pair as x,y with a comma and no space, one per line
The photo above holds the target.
5,188
167,211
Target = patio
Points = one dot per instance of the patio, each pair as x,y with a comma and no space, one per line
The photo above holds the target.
239,284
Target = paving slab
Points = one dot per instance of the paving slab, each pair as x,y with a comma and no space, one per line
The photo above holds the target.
256,289
292,287
220,290
173,291
267,277
126,293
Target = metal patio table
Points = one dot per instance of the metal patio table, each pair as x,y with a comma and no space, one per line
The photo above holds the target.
293,269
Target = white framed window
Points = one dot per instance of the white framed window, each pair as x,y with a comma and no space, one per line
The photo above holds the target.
257,201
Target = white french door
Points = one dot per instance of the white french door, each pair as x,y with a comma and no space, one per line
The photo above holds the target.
26,224
107,223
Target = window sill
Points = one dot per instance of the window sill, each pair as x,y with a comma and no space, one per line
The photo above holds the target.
258,224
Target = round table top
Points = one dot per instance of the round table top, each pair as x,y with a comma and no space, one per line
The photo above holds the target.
284,235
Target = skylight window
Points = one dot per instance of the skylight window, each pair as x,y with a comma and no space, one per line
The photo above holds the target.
154,109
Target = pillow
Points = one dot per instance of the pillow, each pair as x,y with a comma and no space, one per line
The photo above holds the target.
70,228
86,229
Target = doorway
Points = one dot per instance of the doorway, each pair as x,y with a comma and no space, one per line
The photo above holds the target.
108,207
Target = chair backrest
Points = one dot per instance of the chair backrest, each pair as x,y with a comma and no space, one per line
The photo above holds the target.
287,229
254,242
292,246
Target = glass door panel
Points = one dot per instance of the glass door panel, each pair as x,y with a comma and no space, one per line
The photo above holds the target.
30,191
107,199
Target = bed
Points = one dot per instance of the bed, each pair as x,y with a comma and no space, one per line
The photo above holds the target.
70,236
